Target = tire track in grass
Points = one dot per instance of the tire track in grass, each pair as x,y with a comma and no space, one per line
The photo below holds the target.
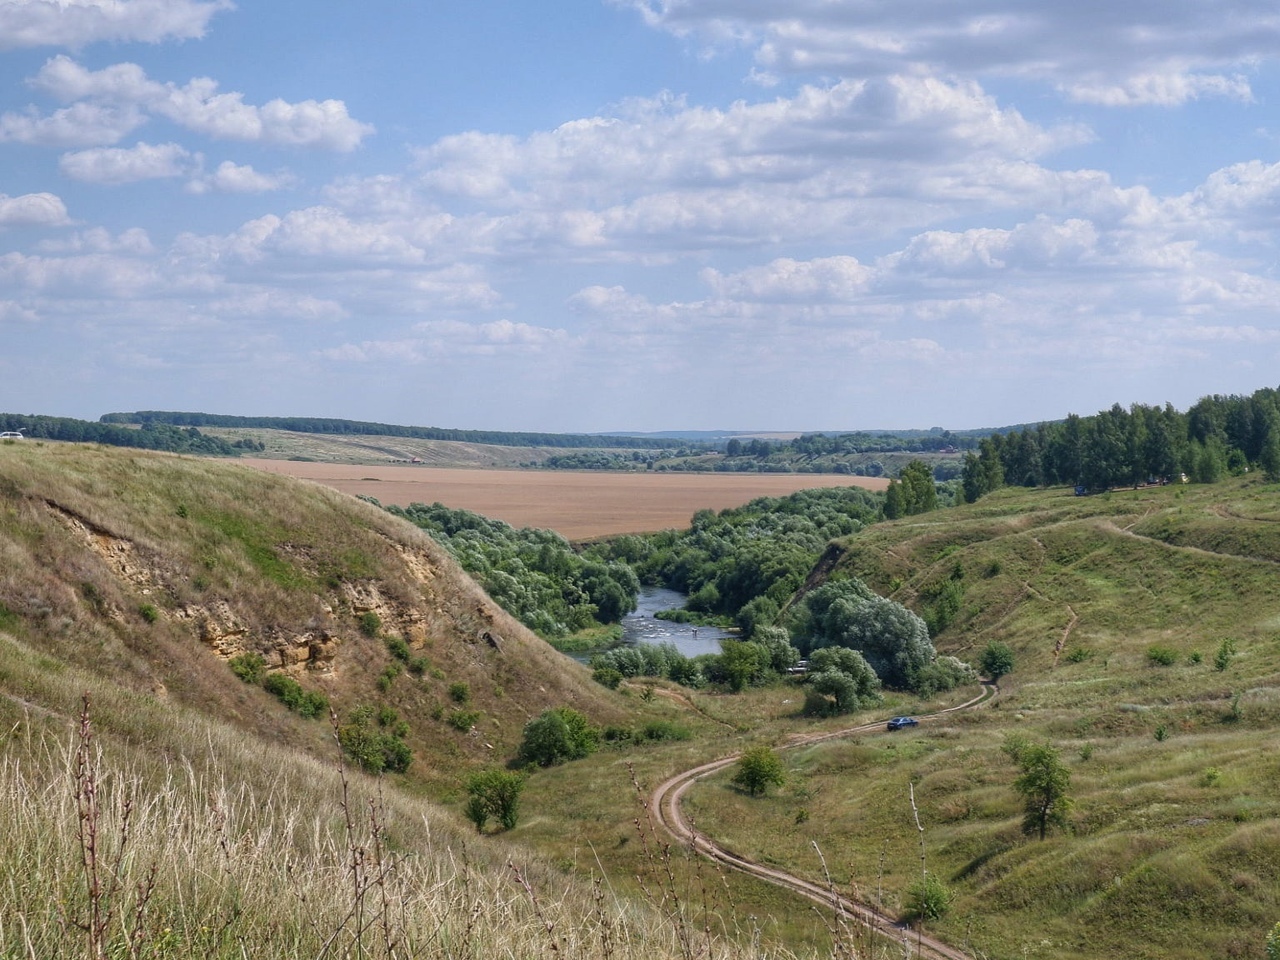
664,804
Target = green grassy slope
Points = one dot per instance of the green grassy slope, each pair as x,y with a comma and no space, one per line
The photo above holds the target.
1174,845
157,570
194,816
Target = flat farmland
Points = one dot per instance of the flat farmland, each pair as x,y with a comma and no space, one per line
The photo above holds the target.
577,505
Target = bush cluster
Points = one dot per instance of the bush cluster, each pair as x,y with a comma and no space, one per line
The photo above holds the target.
376,741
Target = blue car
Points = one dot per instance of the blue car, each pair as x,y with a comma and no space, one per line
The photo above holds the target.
897,723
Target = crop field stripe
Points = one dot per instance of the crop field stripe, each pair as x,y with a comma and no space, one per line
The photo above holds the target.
578,505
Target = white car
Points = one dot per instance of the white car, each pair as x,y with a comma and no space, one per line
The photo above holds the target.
11,435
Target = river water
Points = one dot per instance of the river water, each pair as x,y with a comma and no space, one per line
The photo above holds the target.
642,627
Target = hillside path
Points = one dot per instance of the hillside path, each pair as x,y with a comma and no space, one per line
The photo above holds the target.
664,804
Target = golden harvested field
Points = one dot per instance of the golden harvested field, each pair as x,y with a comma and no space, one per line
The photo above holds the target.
577,505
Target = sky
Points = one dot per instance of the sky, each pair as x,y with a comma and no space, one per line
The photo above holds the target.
638,215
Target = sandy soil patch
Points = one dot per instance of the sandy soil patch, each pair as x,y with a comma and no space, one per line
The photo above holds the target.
577,505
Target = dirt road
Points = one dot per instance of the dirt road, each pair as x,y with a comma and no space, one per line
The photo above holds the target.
664,804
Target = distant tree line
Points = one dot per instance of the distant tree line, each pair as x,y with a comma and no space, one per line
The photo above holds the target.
152,436
1218,436
363,428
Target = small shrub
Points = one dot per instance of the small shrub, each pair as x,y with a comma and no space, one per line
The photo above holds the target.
464,720
1226,650
1080,655
289,692
1086,752
1212,777
387,716
493,793
1273,943
369,623
149,613
1163,656
419,665
657,730
398,648
249,667
607,677
928,898
389,674
1162,733
460,693
1234,714
1195,657
374,750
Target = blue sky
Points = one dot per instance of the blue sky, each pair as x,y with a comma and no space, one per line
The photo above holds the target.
637,214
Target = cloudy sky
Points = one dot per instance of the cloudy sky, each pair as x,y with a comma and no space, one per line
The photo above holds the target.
596,215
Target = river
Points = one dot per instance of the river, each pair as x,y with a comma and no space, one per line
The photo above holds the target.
642,627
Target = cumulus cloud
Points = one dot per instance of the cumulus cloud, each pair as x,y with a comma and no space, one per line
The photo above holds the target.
234,178
661,176
78,23
80,125
33,210
107,104
114,165
1115,54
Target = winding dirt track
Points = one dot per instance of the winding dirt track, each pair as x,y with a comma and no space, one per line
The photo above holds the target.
665,805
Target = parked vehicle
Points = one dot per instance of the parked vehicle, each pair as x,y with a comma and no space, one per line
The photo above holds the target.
897,723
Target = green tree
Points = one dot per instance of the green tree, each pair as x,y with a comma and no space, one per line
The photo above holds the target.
894,501
996,660
1269,457
742,663
758,769
919,494
494,793
557,735
1043,784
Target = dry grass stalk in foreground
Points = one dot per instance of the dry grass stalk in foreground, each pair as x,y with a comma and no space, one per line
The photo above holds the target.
103,858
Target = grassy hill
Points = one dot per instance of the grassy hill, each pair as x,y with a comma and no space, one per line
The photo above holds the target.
159,570
157,806
139,578
1117,607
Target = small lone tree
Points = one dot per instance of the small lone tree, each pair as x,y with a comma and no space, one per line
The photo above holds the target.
996,660
494,793
1043,784
758,769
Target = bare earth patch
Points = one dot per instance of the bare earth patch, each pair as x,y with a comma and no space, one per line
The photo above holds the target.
577,505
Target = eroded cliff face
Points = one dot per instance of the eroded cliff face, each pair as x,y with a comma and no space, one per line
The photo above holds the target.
313,646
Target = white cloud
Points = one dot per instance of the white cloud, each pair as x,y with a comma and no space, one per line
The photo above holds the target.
33,210
828,278
107,104
134,242
444,338
77,23
114,165
80,125
1115,54
234,178
663,177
